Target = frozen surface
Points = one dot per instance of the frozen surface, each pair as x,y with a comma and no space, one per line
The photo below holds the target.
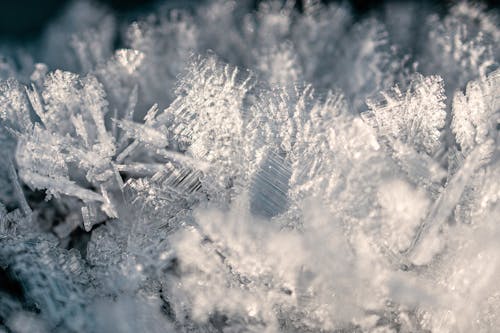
237,170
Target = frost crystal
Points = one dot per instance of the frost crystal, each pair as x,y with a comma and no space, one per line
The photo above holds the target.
476,113
415,116
265,169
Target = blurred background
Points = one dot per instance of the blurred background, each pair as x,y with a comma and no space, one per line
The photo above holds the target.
25,19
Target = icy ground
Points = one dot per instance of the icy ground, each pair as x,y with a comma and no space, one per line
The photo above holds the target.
215,168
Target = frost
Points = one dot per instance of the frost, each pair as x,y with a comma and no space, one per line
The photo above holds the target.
475,113
266,169
420,113
466,40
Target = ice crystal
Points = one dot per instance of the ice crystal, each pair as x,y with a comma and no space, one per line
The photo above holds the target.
268,170
421,113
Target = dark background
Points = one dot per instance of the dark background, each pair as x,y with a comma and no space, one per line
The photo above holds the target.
24,19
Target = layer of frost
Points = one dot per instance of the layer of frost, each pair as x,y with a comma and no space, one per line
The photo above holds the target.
237,170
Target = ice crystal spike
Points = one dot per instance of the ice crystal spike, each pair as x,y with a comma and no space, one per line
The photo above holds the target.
168,191
212,93
144,133
441,210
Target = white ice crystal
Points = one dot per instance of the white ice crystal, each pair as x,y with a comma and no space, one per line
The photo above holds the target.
466,40
421,113
475,114
216,167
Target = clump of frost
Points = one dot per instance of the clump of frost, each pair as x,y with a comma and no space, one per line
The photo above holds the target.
265,170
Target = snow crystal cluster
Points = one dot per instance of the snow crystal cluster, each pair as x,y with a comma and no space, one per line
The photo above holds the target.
222,168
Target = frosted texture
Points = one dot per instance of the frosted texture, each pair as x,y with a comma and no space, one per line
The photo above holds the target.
238,170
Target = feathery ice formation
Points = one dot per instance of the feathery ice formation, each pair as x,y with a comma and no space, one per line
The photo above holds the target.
238,170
